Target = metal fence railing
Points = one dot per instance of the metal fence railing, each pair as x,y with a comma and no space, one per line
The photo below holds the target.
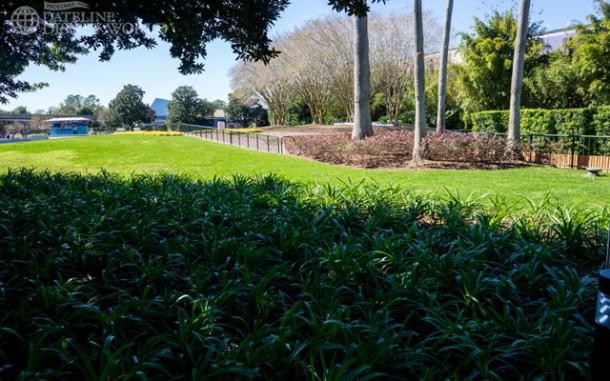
571,151
254,141
568,151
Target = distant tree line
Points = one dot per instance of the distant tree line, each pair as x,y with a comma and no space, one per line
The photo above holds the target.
312,80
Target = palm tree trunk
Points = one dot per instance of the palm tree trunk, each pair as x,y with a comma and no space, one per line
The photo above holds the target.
442,79
514,124
420,110
363,126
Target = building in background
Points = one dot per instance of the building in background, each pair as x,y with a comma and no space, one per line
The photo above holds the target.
160,107
553,40
558,39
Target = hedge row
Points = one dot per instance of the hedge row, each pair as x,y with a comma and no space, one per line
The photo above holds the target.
580,121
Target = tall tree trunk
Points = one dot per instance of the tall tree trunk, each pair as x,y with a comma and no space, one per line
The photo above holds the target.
442,76
514,123
363,126
420,110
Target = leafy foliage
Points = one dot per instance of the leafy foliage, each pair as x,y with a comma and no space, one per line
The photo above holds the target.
601,121
578,74
241,131
539,121
484,80
128,108
556,85
582,121
76,104
188,27
490,121
358,8
21,110
246,112
187,107
574,121
105,277
601,125
591,48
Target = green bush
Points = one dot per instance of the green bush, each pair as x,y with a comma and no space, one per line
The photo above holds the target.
453,118
384,119
490,121
580,121
574,121
407,117
600,123
537,121
330,120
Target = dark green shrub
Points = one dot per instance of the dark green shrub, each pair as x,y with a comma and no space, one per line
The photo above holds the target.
490,121
600,123
407,117
573,121
537,121
330,120
453,118
384,119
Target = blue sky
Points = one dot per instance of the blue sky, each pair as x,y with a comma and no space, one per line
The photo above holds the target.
156,72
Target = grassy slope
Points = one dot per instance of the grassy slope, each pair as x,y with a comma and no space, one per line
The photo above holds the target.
129,154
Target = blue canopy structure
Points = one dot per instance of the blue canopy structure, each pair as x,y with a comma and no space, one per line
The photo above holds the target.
69,126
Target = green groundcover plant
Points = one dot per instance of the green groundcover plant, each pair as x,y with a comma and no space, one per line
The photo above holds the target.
104,277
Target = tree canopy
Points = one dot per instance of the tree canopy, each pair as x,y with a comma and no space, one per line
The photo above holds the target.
358,8
316,67
128,109
578,75
57,39
187,107
20,110
76,104
485,78
556,85
591,49
246,112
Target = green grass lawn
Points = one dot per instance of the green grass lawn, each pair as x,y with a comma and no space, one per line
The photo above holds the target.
201,159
